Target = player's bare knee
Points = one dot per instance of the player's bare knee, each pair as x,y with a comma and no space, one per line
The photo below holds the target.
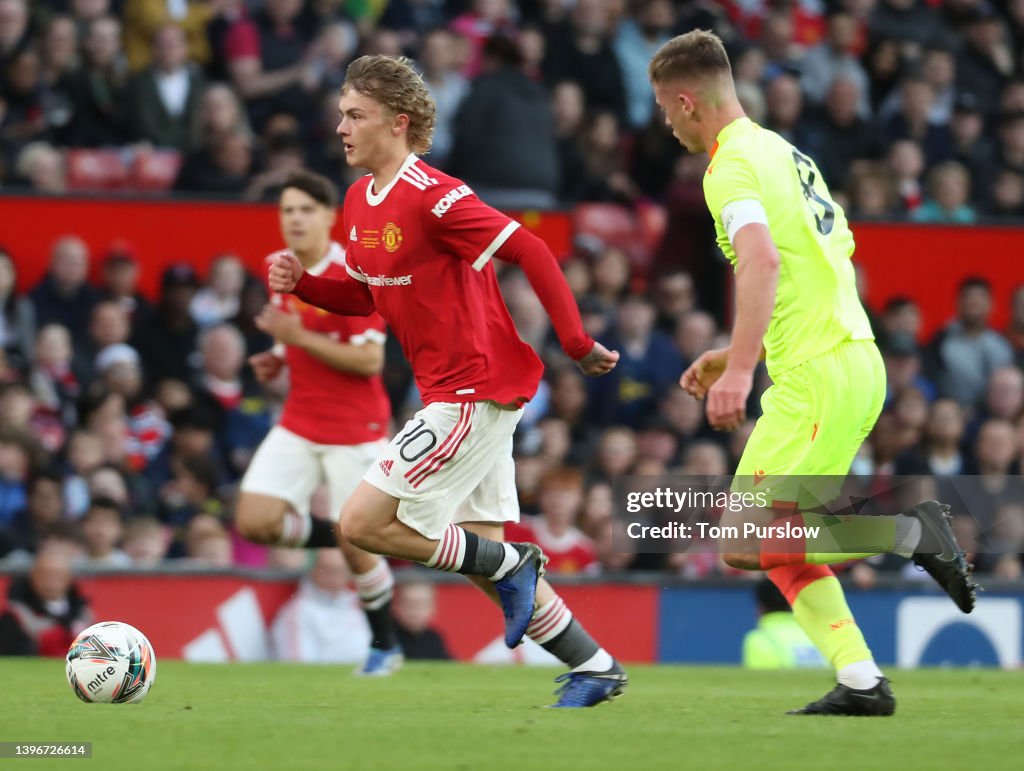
742,560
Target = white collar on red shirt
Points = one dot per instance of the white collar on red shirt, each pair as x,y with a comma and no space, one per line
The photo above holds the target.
376,199
335,254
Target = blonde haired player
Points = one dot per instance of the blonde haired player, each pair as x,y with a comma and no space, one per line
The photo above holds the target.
335,418
796,306
420,245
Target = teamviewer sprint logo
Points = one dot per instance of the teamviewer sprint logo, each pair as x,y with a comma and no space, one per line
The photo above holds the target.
386,465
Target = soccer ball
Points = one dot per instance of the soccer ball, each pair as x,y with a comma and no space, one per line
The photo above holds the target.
111,663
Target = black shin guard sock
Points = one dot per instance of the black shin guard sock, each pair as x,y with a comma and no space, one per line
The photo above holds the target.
483,556
573,646
321,535
382,627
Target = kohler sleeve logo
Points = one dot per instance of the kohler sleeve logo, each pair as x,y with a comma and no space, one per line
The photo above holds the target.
448,199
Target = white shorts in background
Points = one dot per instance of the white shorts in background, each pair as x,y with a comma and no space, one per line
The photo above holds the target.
451,463
289,467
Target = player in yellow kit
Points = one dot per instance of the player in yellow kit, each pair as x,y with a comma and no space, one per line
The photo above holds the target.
797,308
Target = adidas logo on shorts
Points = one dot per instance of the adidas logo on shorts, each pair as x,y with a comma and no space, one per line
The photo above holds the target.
385,466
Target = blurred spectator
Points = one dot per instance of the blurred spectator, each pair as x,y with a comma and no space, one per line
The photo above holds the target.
674,297
84,451
17,317
901,316
582,51
15,462
24,117
109,325
59,48
14,30
914,121
45,610
241,417
970,145
414,608
44,508
447,87
840,136
784,103
142,19
484,20
190,493
569,402
269,61
567,109
164,98
903,367
949,193
636,41
120,371
904,21
119,281
1015,331
778,642
220,114
615,455
218,301
323,623
99,90
167,342
941,454
251,301
145,542
1006,199
835,58
567,548
40,166
1004,394
504,142
221,168
207,542
985,61
102,530
694,334
607,177
906,165
64,295
649,365
872,193
413,20
967,351
55,384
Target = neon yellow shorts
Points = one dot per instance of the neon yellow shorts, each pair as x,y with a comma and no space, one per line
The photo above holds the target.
814,419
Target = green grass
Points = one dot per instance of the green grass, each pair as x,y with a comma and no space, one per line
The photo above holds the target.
463,718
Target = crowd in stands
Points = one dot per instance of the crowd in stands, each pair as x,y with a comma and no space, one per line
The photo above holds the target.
125,425
912,108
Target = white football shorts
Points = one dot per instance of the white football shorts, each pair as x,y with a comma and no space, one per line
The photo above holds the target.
451,463
289,467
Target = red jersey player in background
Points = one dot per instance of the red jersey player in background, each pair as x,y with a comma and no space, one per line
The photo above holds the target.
420,245
334,420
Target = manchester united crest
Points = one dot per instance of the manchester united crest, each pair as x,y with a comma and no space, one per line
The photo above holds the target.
392,236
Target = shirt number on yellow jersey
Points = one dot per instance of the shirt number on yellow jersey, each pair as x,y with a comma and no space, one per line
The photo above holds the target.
805,172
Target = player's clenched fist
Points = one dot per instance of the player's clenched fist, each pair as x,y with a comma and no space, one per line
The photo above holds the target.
600,361
285,272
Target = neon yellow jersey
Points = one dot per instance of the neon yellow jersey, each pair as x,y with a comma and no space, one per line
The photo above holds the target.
816,304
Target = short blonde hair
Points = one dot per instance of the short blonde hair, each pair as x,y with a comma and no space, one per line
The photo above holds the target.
392,81
698,54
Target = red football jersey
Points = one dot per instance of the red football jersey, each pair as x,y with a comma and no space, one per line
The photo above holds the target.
424,244
326,405
571,552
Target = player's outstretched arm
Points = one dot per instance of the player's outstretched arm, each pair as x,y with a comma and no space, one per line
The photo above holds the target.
344,296
547,280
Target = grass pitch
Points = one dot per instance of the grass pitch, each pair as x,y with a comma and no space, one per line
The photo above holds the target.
462,718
